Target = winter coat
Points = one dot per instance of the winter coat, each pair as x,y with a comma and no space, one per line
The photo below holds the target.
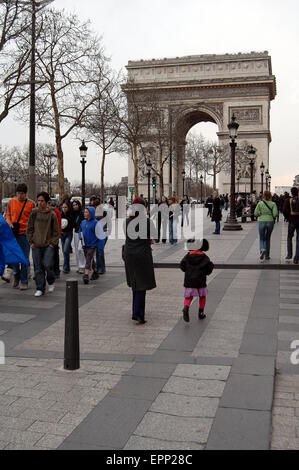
87,232
42,228
216,213
10,251
78,218
69,216
197,266
139,261
264,213
292,218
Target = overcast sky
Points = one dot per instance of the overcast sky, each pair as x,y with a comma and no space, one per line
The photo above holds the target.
146,29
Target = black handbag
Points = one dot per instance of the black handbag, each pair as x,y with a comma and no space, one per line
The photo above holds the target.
16,225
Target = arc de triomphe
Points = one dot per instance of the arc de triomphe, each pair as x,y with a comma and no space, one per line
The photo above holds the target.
210,88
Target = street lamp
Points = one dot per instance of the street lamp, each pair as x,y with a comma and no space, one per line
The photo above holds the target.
269,183
231,223
262,168
183,175
149,167
267,176
83,155
201,180
251,156
49,157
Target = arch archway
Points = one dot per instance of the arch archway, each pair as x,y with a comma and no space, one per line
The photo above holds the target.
209,88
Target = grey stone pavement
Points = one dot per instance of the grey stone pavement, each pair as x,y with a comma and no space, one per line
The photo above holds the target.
227,382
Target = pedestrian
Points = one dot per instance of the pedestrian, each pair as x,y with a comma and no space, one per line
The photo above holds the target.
10,251
291,214
226,202
89,240
18,212
103,214
216,213
209,205
138,258
162,219
266,213
56,248
197,266
185,210
43,236
78,218
67,225
174,211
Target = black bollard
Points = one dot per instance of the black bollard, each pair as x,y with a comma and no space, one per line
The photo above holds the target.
71,336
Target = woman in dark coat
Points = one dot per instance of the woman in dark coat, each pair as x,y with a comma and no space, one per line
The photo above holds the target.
216,213
138,259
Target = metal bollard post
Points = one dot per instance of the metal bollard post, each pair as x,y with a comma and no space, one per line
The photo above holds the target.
71,337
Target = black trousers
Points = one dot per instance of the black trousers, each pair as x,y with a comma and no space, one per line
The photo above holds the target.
138,310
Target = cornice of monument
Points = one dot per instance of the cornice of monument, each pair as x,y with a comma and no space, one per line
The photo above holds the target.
203,58
240,82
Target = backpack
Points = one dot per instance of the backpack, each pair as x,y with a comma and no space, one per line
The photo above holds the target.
294,205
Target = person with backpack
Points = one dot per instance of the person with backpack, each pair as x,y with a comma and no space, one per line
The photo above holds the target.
291,214
197,266
266,213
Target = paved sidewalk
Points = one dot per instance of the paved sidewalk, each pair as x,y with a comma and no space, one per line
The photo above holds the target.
223,383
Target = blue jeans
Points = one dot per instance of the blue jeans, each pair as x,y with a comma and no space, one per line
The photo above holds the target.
265,230
21,274
172,231
138,305
100,259
217,227
66,241
43,261
292,228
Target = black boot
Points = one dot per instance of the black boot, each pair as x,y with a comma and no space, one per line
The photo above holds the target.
85,279
201,315
186,313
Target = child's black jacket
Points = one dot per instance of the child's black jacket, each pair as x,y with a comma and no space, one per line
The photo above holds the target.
196,266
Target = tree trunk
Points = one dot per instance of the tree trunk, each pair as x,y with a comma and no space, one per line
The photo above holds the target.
102,174
58,140
214,177
135,157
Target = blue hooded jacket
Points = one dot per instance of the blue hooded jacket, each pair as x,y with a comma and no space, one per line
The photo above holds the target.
10,251
87,232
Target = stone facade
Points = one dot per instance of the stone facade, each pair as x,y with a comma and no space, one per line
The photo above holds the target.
199,88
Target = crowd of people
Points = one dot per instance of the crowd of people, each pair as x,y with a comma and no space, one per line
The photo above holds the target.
39,227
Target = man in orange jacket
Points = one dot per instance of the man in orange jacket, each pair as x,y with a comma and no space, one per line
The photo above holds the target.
17,215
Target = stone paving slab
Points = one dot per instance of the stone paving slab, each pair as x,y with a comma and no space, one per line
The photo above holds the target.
236,429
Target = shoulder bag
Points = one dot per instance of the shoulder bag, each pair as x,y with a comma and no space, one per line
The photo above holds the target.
16,225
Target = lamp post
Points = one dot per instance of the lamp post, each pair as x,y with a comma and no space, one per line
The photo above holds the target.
49,158
262,168
149,167
201,180
251,156
83,154
267,176
183,175
238,183
231,223
269,183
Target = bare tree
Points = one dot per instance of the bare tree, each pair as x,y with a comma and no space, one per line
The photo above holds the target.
15,49
136,117
70,62
102,123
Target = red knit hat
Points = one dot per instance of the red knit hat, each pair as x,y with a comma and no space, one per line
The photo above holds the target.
138,200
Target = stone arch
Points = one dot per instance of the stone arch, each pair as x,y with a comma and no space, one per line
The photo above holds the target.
211,87
186,118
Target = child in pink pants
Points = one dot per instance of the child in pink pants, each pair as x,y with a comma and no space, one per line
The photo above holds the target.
197,266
